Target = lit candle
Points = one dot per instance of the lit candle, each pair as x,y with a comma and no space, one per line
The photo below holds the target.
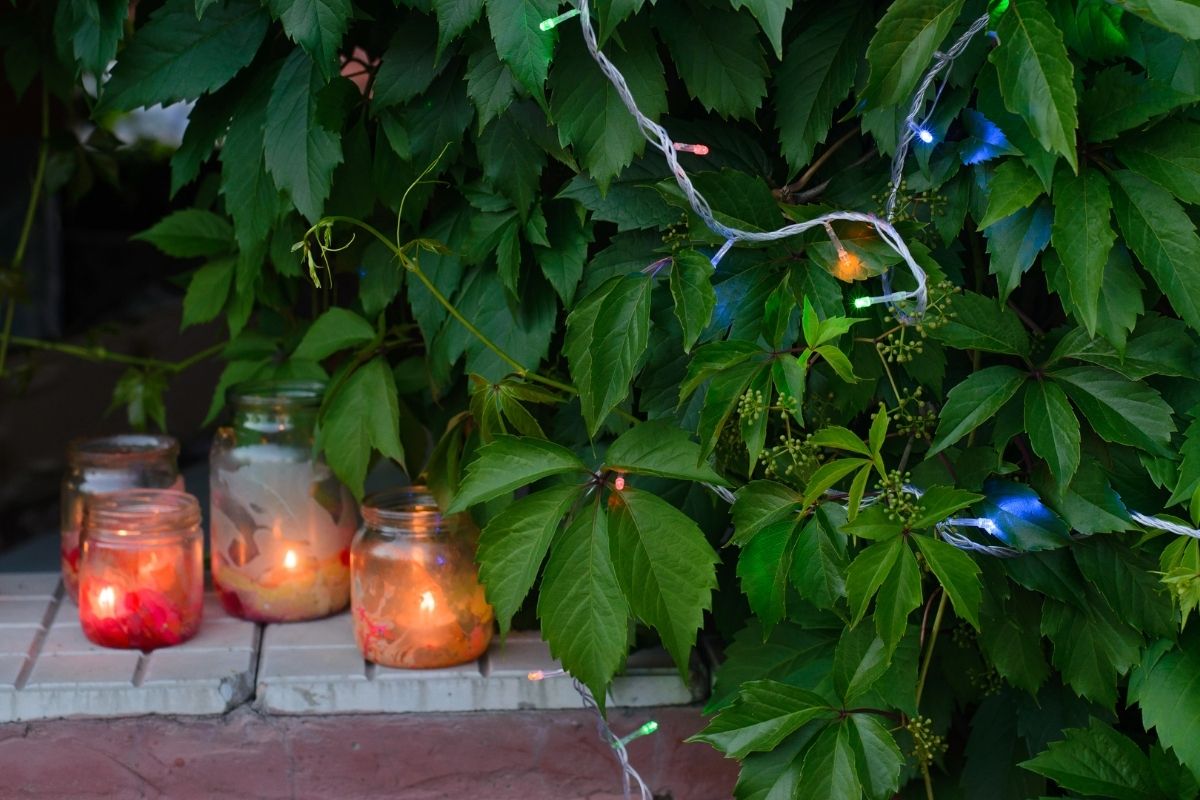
141,572
416,598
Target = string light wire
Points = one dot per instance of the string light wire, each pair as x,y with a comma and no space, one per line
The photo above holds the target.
659,138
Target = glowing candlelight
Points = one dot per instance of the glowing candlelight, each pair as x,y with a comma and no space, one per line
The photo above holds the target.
290,560
106,601
427,602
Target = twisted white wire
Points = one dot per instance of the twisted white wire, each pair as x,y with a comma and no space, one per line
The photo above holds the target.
658,136
1163,525
629,775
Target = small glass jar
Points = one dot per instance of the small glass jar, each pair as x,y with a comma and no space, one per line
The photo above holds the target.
141,572
109,464
417,602
281,521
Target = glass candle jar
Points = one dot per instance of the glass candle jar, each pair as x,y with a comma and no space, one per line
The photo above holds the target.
417,601
141,571
108,464
281,521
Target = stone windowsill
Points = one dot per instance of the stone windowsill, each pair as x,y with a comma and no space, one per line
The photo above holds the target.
48,669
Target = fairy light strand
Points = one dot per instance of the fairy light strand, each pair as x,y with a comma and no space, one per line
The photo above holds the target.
659,138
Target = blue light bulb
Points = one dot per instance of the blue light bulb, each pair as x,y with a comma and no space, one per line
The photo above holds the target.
925,136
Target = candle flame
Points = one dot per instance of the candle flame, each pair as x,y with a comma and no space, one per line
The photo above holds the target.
106,599
290,560
427,601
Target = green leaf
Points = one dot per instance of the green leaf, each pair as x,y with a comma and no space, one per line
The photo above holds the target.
770,14
508,463
584,616
382,281
514,544
1036,76
1022,520
979,323
207,291
1119,100
827,475
207,122
250,195
176,56
337,329
957,573
590,114
1168,694
763,568
520,42
691,288
904,43
1092,648
1162,235
1015,242
1127,579
512,160
490,83
867,573
190,233
1177,16
712,359
859,661
661,449
878,759
839,438
408,66
717,54
1118,409
1083,237
1169,155
562,261
838,361
363,414
1189,467
759,504
88,32
875,524
317,26
764,714
1014,186
454,17
607,334
300,152
141,392
816,75
939,502
819,561
899,595
1009,644
974,401
1053,429
829,767
665,568
1097,761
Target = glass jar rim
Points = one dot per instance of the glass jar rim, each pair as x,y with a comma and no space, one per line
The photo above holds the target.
140,514
404,506
277,392
120,449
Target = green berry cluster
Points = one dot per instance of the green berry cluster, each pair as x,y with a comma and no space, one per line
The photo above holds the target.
751,406
987,680
676,235
927,745
920,206
963,635
913,416
901,506
792,459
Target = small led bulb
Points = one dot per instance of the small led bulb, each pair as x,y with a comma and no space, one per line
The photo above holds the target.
924,135
694,149
547,24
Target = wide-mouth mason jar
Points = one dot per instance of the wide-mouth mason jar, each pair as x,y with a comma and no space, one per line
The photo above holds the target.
281,521
109,464
141,570
416,599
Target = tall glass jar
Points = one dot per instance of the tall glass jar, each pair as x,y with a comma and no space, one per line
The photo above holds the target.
141,573
417,601
281,521
108,464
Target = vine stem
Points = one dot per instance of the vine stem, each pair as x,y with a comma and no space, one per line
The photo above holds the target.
415,268
35,193
933,635
99,354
